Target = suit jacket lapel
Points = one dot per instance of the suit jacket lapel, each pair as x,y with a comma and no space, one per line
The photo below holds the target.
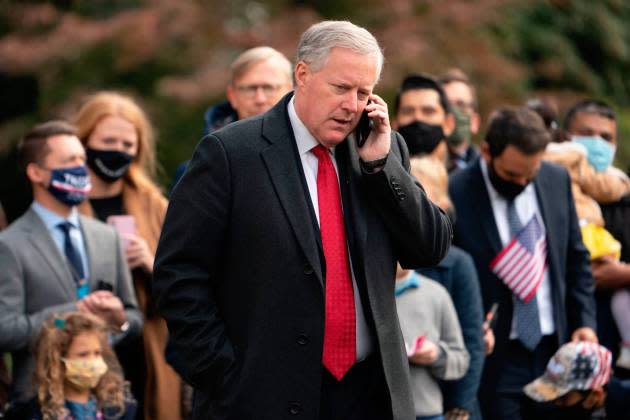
349,161
285,171
90,239
479,194
42,241
542,193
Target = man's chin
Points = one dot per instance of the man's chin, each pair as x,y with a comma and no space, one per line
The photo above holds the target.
333,139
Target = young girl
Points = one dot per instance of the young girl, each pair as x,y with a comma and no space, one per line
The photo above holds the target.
77,374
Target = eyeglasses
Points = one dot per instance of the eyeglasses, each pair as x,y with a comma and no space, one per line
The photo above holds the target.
464,106
251,90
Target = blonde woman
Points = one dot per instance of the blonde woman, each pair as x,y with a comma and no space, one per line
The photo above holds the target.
120,147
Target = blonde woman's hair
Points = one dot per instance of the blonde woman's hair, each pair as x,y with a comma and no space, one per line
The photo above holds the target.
52,345
108,103
142,198
432,174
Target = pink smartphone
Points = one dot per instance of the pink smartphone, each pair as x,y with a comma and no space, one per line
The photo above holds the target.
417,344
124,225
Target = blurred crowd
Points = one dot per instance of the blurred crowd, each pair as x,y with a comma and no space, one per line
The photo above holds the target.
529,312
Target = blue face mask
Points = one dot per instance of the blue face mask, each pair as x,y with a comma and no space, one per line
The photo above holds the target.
70,185
599,152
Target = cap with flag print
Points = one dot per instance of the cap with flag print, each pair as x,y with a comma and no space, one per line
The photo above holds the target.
521,264
578,365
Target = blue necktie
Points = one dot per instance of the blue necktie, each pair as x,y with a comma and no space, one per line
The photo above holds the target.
525,313
73,256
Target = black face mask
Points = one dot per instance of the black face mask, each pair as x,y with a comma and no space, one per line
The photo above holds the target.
421,138
108,165
507,189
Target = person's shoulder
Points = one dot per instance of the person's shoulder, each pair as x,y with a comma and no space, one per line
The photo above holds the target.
463,176
96,226
154,198
551,170
434,288
456,257
240,132
18,229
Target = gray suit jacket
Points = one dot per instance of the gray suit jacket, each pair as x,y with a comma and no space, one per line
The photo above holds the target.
35,282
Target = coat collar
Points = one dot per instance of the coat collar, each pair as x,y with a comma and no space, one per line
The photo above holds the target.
411,282
284,166
285,170
481,196
40,238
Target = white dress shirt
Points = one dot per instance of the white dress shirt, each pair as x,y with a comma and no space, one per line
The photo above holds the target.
305,142
526,207
52,221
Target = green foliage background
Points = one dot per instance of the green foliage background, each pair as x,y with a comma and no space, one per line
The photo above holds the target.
173,55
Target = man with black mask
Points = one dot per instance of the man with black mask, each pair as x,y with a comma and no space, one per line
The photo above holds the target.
424,119
423,116
516,218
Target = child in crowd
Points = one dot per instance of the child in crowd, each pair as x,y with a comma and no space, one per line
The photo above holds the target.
592,185
433,337
76,374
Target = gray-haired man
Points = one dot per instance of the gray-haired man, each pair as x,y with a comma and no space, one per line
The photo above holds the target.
276,266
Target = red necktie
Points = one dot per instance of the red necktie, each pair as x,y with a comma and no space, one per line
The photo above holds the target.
339,325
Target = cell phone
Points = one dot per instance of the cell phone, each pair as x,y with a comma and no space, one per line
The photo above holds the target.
417,344
103,285
124,225
491,316
364,127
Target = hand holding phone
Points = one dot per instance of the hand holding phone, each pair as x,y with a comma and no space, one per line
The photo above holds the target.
491,316
125,225
417,344
364,127
373,131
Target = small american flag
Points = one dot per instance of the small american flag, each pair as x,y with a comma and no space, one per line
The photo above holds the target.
521,264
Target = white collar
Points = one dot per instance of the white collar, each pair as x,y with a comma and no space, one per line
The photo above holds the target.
304,139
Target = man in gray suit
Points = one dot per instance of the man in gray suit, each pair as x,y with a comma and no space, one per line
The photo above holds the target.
53,260
275,269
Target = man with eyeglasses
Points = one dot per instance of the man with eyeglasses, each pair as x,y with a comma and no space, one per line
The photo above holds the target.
259,78
463,99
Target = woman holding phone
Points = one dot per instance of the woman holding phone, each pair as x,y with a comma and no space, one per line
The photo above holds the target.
120,149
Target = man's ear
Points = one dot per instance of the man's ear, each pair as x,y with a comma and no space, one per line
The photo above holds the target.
231,95
475,122
36,174
484,150
302,73
449,124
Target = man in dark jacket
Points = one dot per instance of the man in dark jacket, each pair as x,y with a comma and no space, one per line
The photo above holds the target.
517,219
281,303
259,78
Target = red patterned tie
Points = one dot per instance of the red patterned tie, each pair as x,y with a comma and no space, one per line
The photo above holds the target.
339,326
